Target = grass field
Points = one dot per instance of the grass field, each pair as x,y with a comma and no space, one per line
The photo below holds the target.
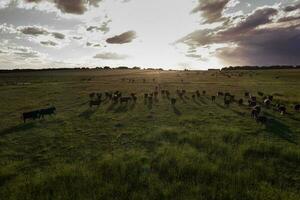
194,150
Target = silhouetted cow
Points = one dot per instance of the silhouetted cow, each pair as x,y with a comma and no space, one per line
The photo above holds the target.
261,119
241,101
213,98
173,101
47,111
31,115
96,102
297,107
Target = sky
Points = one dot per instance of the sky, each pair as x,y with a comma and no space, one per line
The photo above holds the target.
169,34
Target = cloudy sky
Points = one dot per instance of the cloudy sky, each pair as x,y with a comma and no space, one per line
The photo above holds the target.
178,34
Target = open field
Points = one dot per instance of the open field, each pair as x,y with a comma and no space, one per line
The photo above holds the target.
196,149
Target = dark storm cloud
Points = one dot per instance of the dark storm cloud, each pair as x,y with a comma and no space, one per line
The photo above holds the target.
58,35
126,37
71,6
36,31
252,41
292,7
211,10
110,56
48,43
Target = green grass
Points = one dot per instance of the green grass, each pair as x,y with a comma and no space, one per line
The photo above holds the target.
195,150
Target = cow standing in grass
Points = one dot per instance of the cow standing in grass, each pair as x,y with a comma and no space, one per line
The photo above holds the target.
31,115
213,98
47,111
297,107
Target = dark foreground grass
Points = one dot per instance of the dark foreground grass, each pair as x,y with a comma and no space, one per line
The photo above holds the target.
194,150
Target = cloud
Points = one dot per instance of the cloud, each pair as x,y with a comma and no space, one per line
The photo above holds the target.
35,31
211,10
292,7
257,40
48,43
77,7
126,37
58,35
103,28
110,56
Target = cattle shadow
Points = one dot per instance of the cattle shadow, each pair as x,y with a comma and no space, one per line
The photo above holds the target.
121,108
150,106
87,113
196,102
111,107
221,106
183,100
18,128
202,101
277,128
176,111
132,106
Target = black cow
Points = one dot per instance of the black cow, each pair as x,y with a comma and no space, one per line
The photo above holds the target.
241,101
281,109
47,111
297,107
96,102
246,94
226,102
261,119
213,98
173,101
31,115
203,92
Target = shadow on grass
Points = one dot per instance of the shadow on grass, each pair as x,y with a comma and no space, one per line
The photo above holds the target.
176,111
196,102
277,128
111,107
18,128
121,108
202,100
87,114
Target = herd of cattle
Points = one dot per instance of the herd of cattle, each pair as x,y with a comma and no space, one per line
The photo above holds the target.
253,102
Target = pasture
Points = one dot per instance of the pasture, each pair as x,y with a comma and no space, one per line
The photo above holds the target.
194,149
